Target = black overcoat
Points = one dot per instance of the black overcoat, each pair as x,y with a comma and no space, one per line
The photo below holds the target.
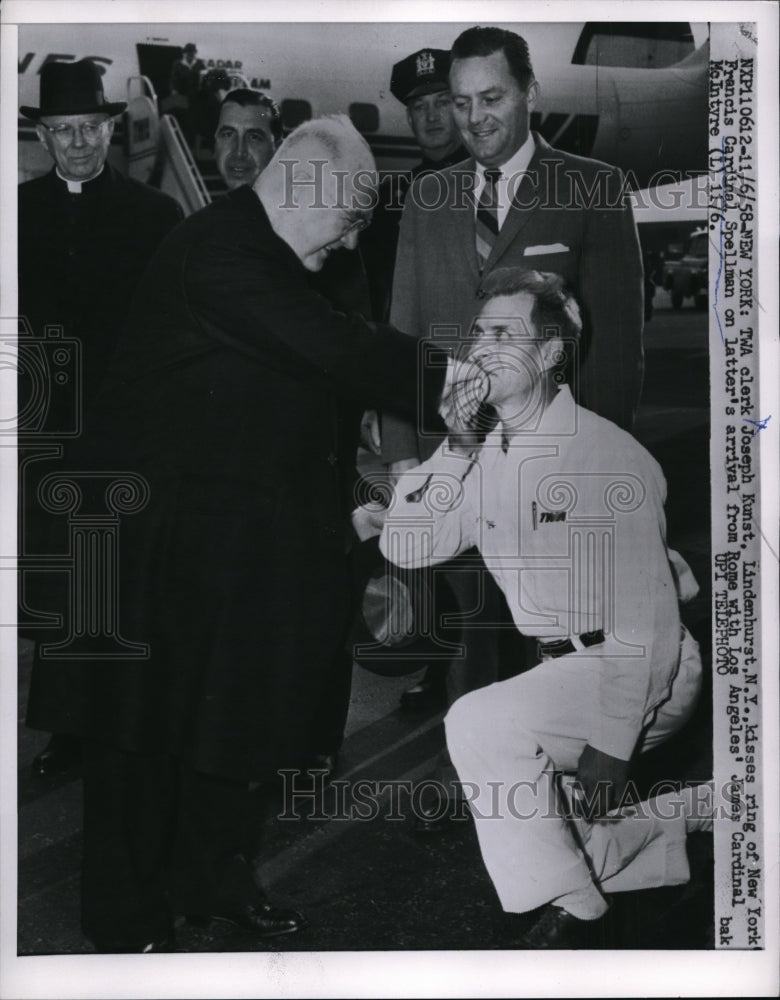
81,257
224,395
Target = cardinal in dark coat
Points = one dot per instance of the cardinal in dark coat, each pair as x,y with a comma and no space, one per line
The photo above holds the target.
223,400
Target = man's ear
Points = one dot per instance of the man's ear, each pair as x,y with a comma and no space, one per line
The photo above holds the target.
111,124
40,131
551,352
533,95
409,117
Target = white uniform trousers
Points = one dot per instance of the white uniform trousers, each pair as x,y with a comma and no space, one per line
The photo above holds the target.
506,742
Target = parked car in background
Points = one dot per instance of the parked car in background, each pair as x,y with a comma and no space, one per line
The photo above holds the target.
686,276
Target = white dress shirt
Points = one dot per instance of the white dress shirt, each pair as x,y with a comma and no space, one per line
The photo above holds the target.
511,175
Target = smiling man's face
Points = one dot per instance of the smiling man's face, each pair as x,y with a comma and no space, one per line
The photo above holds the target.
78,144
323,230
491,110
244,142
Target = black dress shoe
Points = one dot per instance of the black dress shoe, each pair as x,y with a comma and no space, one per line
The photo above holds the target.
60,754
260,919
430,692
557,928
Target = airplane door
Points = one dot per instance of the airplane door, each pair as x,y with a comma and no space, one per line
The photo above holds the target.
154,62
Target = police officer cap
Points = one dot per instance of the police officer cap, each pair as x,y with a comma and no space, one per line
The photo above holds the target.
423,72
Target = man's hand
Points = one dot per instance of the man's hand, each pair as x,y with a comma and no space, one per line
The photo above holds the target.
466,388
368,521
396,469
602,780
370,437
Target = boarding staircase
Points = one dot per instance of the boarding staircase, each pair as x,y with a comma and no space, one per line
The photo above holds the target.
158,154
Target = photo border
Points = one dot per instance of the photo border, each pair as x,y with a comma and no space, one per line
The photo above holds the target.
400,973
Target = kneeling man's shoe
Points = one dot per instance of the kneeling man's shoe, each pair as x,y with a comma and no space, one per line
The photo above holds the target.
557,928
261,919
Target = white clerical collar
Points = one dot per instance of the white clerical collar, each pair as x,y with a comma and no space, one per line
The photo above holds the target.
517,164
74,187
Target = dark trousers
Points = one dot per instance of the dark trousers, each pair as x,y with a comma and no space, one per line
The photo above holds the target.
161,839
327,732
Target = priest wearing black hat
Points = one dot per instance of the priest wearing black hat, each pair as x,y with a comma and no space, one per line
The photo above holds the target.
86,233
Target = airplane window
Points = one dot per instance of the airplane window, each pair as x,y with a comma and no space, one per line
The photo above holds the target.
294,112
365,117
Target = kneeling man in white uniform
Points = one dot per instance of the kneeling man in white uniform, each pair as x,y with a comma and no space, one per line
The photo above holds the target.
566,510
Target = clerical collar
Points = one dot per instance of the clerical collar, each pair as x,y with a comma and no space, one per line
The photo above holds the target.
74,187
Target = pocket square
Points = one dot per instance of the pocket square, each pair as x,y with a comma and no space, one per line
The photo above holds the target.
545,248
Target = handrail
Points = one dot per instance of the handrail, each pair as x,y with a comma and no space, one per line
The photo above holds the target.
180,159
152,93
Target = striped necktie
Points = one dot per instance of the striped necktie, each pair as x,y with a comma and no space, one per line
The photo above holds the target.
487,216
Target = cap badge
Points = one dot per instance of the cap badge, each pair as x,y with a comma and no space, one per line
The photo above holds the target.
425,63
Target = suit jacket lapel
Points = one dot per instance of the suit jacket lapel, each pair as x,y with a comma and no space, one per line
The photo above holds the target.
532,192
465,219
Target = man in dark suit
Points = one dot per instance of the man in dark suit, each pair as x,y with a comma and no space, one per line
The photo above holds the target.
517,203
86,233
555,212
224,395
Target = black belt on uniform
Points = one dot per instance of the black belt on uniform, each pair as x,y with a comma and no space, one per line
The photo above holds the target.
562,647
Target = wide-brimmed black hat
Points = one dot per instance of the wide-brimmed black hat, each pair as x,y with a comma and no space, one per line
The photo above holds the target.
72,89
401,620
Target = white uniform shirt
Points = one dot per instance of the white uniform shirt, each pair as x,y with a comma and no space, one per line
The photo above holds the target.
570,523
